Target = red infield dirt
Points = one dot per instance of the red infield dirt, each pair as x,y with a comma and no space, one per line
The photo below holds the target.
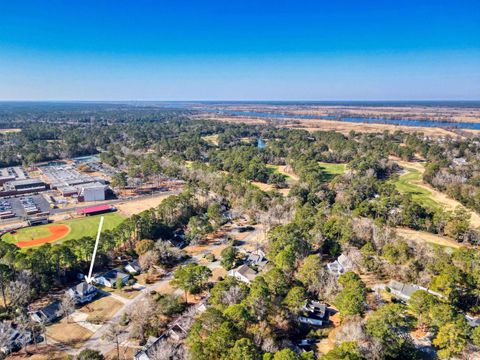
57,232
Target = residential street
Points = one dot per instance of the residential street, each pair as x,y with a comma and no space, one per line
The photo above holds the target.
96,341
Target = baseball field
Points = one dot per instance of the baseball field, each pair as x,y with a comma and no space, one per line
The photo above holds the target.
62,230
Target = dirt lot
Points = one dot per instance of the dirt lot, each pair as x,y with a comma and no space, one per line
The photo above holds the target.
68,333
132,207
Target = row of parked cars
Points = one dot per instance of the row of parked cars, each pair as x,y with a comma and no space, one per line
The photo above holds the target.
29,205
6,209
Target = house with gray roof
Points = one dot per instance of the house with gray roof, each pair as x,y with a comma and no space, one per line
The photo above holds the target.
314,313
340,266
49,313
110,278
243,273
405,291
83,293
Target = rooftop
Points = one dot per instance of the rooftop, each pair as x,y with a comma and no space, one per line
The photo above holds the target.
94,209
114,274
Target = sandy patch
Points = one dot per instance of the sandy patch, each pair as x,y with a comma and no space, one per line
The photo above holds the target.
449,203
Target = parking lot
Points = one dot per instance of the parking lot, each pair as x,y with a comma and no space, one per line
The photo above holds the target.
24,206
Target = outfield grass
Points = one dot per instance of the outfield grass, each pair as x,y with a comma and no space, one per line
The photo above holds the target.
331,170
406,185
85,226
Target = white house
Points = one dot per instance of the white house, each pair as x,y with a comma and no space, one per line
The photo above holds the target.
133,267
340,266
243,273
110,278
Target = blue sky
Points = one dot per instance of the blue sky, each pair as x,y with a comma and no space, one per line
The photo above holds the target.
239,50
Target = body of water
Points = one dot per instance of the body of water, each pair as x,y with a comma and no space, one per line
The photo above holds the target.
404,122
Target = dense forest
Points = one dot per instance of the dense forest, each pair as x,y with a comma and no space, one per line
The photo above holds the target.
355,213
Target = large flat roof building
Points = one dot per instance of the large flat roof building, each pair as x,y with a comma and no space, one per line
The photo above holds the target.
25,186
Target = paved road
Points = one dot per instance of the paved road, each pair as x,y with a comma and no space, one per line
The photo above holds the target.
96,341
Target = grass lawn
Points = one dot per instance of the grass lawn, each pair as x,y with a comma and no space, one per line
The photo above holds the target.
332,170
406,185
127,292
101,310
69,333
85,226
432,239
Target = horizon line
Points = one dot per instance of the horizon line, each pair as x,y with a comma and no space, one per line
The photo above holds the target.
232,100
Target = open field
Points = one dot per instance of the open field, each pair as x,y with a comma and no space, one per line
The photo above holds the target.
136,206
63,230
69,333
